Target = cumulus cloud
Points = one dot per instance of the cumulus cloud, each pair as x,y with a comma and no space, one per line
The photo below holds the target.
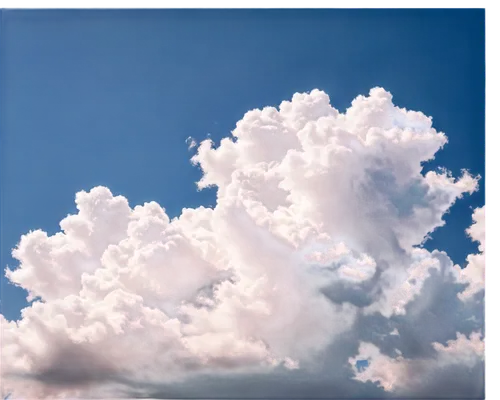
473,274
311,253
461,360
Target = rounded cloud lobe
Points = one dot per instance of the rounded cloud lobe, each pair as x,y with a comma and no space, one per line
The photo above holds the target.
314,241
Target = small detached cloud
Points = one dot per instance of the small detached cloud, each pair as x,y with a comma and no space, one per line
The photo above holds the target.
310,257
191,142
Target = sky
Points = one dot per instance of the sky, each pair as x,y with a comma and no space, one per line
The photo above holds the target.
110,98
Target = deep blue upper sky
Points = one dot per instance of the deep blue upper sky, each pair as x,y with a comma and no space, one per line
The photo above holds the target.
109,97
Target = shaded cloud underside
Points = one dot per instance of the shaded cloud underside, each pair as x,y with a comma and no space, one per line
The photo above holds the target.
305,280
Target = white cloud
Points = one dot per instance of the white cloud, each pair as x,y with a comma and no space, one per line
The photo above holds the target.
191,142
392,374
307,198
473,274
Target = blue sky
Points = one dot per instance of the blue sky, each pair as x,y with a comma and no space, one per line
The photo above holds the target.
109,97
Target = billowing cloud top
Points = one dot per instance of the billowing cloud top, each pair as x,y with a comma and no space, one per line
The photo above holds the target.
313,243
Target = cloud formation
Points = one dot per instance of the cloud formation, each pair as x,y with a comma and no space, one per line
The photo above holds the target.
311,253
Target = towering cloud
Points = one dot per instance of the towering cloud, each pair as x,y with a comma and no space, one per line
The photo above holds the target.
314,241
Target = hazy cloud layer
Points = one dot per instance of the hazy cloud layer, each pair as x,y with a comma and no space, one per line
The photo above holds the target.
305,280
